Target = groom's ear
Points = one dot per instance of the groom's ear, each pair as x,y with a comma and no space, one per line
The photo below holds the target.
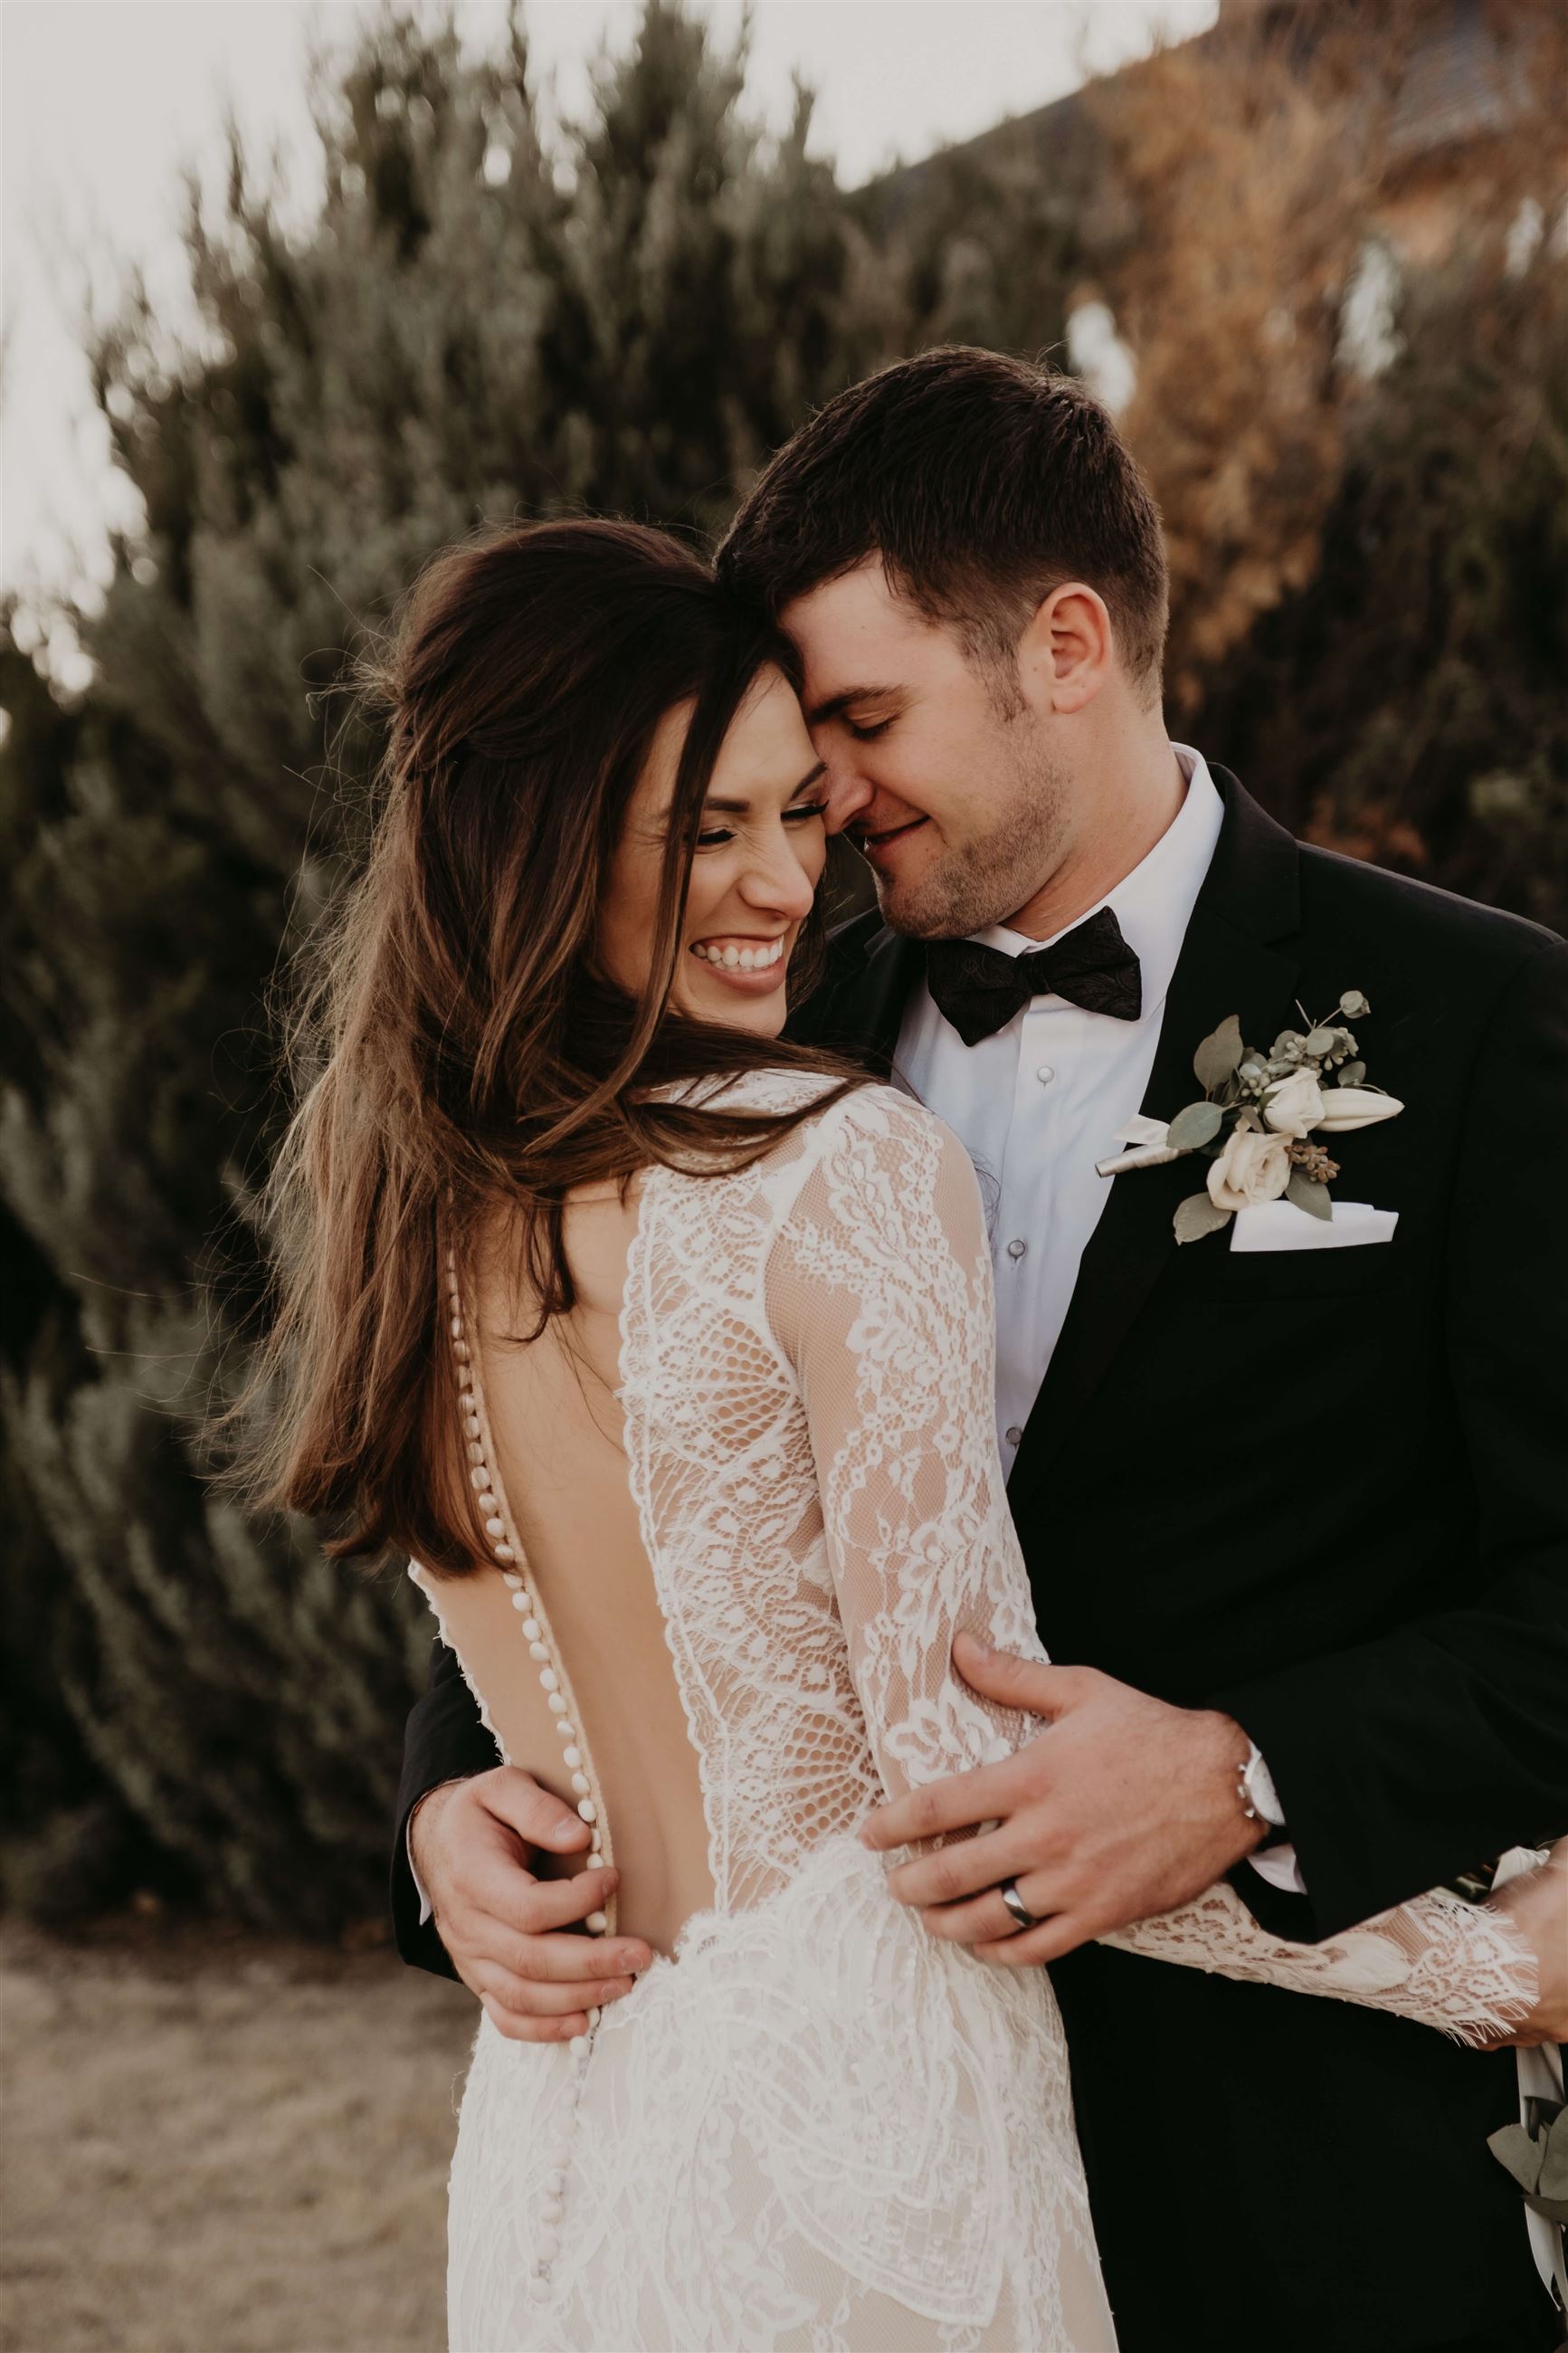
1068,650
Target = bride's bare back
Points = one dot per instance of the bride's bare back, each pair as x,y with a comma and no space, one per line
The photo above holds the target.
557,1430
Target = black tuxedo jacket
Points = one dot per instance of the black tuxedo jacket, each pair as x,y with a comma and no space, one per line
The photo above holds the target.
1327,1492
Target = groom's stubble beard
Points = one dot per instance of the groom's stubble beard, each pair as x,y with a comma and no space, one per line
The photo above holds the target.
997,870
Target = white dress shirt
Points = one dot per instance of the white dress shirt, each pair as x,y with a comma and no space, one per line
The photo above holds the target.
1042,1099
1040,1102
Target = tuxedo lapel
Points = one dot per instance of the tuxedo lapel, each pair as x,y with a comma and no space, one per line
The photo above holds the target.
860,1007
1234,959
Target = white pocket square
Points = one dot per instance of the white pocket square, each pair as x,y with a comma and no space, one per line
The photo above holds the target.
1280,1226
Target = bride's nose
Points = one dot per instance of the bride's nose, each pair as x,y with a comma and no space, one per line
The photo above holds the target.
778,882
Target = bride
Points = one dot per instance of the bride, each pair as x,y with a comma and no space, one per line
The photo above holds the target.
665,1348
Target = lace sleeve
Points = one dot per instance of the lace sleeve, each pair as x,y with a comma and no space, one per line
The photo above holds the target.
879,1290
1462,1967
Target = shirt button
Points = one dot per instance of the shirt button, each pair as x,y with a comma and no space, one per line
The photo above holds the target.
1014,1435
1016,1248
1044,1075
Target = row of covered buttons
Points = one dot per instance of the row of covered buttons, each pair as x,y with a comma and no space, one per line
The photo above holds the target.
547,2244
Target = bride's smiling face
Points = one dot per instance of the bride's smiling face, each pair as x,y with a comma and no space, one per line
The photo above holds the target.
760,852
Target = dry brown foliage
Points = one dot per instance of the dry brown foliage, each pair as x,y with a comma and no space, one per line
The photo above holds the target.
1258,164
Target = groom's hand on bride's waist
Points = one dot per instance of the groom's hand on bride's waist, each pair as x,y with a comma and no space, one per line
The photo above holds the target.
1122,1806
509,1929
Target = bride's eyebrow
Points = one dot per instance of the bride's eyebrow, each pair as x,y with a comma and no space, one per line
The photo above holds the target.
721,807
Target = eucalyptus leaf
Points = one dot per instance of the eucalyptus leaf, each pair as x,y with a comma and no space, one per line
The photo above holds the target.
1197,1216
1354,1005
1553,2178
1308,1195
1351,1074
1322,1041
1218,1057
1520,2152
1535,2161
1286,1047
1195,1126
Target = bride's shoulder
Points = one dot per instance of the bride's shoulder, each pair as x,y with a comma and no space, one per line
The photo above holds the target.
868,1122
876,1124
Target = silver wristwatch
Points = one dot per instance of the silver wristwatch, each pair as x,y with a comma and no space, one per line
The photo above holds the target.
1255,1788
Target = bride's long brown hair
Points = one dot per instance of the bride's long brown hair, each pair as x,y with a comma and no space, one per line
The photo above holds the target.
459,1045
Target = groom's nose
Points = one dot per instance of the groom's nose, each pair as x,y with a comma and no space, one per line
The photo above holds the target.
847,792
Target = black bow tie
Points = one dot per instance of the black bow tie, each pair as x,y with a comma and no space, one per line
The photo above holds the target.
979,989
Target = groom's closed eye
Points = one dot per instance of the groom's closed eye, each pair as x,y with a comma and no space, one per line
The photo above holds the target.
864,712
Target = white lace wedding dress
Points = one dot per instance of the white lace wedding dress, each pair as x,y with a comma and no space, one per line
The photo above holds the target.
815,2126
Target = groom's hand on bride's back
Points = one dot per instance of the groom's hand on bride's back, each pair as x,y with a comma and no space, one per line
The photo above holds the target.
513,1935
1122,1806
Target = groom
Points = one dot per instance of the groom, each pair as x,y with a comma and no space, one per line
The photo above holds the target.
1297,1517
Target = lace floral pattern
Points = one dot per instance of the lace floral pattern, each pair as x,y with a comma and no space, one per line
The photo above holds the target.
818,2127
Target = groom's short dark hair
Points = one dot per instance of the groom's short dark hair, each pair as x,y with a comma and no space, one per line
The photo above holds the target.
982,482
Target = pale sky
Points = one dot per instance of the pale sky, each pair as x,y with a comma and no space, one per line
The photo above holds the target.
103,101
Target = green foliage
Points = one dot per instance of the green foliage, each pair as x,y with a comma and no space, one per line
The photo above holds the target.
1216,1058
1197,1216
1192,1128
1309,1195
1407,703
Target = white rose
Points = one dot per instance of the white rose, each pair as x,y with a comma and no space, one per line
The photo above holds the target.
1250,1169
1296,1105
1348,1107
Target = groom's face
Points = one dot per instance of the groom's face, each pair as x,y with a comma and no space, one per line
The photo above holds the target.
938,766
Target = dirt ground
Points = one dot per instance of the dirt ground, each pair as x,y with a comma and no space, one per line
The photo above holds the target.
230,2146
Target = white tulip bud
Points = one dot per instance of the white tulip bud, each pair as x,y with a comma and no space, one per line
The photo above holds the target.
1348,1107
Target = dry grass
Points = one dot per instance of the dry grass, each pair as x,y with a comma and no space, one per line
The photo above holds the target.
223,2146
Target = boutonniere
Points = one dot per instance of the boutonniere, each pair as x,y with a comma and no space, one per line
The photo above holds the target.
1259,1116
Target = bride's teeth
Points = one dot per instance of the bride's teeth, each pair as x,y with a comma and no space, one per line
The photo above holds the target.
758,959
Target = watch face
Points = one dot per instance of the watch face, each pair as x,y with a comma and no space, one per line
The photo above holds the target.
1260,1788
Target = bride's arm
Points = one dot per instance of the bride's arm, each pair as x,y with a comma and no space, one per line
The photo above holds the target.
1463,1967
879,1290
